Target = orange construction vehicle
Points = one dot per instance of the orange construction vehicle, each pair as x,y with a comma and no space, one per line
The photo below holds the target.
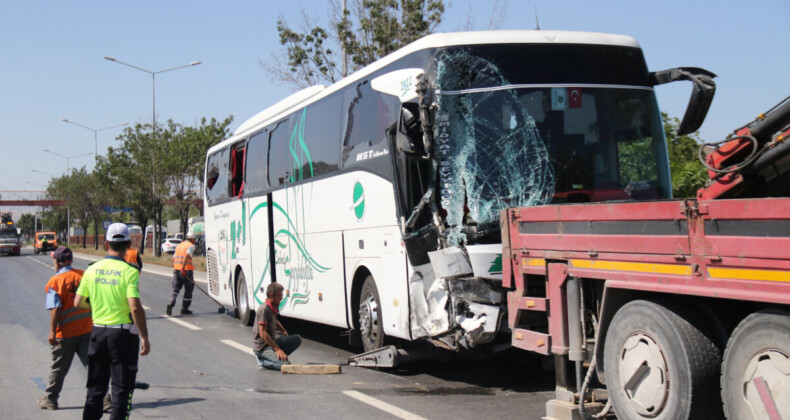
44,241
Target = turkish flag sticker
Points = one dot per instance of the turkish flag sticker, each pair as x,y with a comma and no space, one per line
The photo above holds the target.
574,97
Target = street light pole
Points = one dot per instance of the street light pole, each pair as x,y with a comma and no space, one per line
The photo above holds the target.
95,134
35,218
68,209
153,79
153,74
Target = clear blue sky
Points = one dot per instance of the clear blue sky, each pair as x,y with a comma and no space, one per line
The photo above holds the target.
53,67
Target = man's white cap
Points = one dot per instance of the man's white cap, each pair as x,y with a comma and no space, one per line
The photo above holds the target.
118,232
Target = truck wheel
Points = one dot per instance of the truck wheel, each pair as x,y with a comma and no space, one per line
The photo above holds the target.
246,316
371,327
659,365
755,378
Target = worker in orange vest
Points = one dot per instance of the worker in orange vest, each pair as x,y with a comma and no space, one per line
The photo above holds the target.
183,274
69,328
133,258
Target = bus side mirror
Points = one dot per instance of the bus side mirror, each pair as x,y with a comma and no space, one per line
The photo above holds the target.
408,138
701,95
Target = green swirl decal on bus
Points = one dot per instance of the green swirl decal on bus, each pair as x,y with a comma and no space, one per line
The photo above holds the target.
359,201
291,233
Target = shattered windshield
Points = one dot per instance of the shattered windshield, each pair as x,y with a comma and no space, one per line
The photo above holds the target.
504,139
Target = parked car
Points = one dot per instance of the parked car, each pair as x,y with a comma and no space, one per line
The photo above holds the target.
169,245
44,241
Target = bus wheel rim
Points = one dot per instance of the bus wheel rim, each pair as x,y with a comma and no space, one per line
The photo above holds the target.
766,383
243,305
644,374
368,318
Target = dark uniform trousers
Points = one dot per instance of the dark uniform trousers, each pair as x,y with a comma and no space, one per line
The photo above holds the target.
112,354
188,283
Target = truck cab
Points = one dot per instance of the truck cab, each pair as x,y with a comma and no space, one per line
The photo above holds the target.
44,241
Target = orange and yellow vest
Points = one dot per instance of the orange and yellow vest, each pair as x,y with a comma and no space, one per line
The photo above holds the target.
131,257
72,322
181,259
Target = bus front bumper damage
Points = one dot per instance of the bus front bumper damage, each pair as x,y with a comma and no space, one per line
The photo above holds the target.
452,306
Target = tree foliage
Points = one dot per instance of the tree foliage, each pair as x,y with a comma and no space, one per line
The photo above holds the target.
367,30
688,173
27,222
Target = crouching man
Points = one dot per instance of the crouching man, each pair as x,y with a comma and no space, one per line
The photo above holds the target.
272,352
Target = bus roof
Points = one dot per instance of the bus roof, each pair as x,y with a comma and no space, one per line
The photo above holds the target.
438,40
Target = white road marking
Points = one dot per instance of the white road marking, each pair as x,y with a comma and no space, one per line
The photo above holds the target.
146,308
238,346
192,327
39,262
381,405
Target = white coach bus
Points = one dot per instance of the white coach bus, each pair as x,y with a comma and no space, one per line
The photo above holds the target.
340,193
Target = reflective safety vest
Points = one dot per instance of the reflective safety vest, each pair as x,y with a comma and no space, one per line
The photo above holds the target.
181,258
72,322
131,257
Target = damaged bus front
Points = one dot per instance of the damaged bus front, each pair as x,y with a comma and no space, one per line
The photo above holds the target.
493,126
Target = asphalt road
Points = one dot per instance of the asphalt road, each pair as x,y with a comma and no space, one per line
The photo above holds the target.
201,367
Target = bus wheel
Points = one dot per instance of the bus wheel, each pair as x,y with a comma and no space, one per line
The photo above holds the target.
246,315
370,322
755,378
659,365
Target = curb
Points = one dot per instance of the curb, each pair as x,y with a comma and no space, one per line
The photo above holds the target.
159,270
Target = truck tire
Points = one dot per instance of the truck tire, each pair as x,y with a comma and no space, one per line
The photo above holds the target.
371,327
660,365
755,374
246,315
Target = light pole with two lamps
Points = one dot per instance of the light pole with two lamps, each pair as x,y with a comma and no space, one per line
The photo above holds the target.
153,74
95,134
68,170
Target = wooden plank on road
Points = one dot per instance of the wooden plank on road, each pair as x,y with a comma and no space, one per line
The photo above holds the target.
311,369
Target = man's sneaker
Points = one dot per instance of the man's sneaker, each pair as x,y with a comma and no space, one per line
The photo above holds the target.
186,312
46,404
107,404
169,310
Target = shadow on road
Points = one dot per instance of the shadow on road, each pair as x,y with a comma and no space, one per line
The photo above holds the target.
164,402
476,373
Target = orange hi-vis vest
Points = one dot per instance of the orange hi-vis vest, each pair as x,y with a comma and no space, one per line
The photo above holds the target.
181,259
131,257
72,322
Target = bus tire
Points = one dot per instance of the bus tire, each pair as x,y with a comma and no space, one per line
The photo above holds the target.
757,359
371,326
660,365
246,316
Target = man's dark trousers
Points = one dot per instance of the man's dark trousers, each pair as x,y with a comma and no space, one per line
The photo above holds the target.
112,353
188,283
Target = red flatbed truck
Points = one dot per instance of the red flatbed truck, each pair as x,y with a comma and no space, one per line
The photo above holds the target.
681,308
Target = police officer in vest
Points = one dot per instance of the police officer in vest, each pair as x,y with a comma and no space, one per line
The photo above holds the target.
183,274
109,289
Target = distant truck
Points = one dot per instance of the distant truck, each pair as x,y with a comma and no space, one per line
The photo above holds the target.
9,235
44,241
174,228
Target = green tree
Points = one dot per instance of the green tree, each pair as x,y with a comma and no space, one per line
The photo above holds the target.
688,173
367,30
188,147
133,173
149,170
27,222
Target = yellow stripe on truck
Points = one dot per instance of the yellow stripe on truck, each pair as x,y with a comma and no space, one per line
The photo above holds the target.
681,270
744,274
533,262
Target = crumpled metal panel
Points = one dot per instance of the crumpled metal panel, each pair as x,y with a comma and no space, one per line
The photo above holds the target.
489,153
